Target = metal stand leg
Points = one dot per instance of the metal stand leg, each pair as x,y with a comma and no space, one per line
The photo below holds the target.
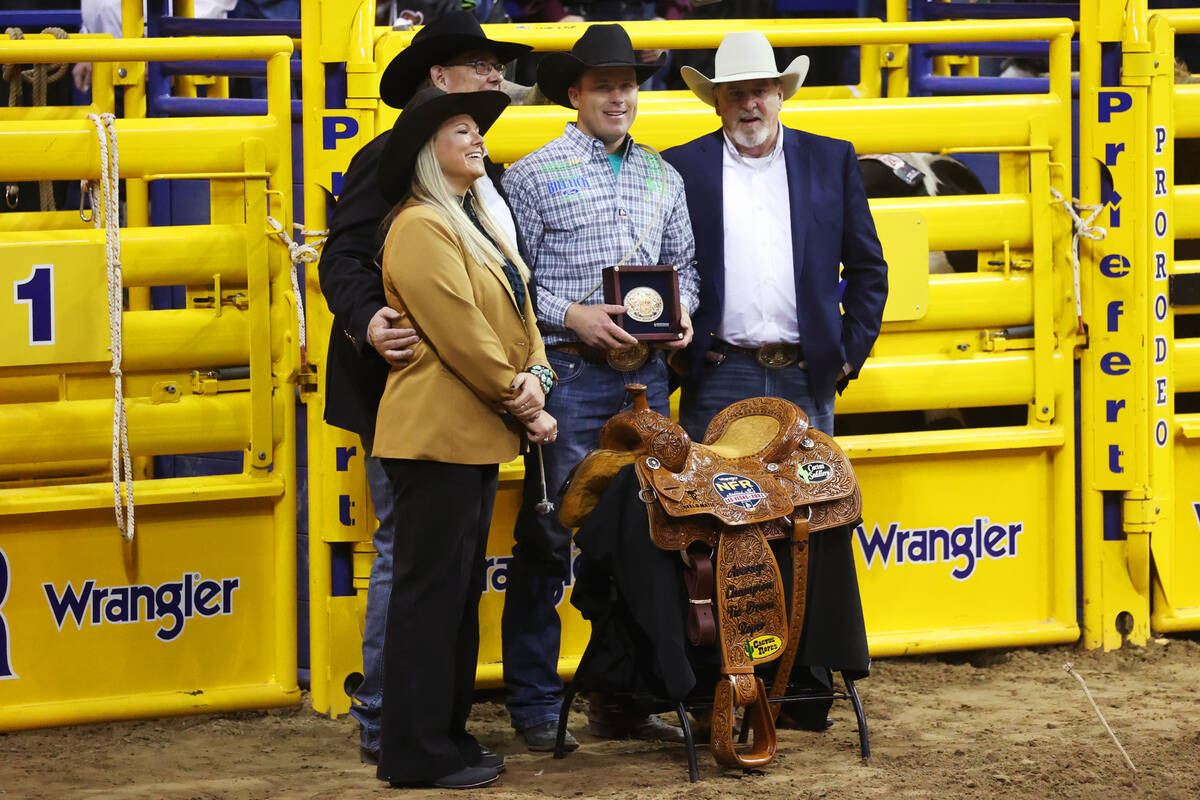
864,740
689,742
563,712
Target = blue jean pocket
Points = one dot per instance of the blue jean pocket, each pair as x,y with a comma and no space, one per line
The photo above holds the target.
566,366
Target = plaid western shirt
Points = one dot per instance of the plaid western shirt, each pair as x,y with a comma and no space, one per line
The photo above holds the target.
578,218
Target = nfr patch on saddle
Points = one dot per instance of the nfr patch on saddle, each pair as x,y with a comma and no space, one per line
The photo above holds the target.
761,473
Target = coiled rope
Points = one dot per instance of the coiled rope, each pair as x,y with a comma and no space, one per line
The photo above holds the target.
39,77
298,254
106,195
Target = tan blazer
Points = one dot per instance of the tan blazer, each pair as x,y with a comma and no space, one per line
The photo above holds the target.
444,406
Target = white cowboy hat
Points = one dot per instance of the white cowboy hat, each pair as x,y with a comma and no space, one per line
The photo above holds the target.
745,56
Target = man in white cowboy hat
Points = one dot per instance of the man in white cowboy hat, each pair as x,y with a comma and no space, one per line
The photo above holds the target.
775,211
778,213
454,55
587,200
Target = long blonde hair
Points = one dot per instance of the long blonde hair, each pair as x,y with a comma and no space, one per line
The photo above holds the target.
430,187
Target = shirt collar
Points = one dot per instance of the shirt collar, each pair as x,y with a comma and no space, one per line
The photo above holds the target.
590,145
760,163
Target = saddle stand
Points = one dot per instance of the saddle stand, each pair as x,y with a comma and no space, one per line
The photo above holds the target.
761,474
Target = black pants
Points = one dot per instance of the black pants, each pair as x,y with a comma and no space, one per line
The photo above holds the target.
442,512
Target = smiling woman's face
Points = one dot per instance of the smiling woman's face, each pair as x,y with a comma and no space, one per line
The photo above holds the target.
459,149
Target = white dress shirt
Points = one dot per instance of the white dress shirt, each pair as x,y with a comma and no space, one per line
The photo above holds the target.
497,207
760,284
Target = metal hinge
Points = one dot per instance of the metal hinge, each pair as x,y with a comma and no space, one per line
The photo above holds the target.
222,379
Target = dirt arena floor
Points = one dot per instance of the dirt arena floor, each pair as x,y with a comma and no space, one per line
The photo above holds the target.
991,724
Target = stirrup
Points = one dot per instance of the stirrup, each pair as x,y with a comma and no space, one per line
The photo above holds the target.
761,748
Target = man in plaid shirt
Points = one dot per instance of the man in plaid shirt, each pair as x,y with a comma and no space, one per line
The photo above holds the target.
587,200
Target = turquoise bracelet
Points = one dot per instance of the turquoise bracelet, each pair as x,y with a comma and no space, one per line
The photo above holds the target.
545,375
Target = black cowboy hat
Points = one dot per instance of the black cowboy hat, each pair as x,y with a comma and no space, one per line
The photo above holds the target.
600,46
419,120
455,33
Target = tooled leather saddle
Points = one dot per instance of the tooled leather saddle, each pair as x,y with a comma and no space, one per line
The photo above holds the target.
761,474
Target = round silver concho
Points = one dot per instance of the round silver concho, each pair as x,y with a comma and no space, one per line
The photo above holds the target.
653,463
643,304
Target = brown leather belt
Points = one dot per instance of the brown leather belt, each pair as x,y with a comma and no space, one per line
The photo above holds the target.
625,360
584,351
771,356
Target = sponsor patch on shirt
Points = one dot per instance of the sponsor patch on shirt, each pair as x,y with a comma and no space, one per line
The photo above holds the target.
567,187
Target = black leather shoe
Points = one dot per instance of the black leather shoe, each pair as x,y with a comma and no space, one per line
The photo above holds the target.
490,759
541,738
804,723
468,778
650,728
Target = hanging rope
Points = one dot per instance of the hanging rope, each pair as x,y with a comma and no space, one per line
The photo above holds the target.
1083,229
106,196
298,254
39,76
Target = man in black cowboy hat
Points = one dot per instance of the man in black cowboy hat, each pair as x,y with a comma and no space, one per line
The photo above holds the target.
454,55
587,200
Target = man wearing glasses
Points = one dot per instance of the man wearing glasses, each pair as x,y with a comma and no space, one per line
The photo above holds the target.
454,55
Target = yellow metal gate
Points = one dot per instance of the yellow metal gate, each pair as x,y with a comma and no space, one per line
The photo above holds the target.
196,611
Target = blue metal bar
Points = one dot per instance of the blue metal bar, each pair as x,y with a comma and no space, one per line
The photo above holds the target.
335,85
1110,64
243,68
1033,48
157,83
932,11
938,84
217,107
40,19
186,26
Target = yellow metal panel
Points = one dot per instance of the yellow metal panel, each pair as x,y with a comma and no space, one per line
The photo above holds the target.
941,575
1160,523
905,240
1117,308
575,631
53,304
343,132
176,615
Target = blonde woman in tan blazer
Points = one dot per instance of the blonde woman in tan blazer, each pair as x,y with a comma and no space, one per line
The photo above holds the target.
472,394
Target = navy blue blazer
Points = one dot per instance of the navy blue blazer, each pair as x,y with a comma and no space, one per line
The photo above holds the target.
831,224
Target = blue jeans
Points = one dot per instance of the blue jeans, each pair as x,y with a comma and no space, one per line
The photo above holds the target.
369,697
715,386
586,396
